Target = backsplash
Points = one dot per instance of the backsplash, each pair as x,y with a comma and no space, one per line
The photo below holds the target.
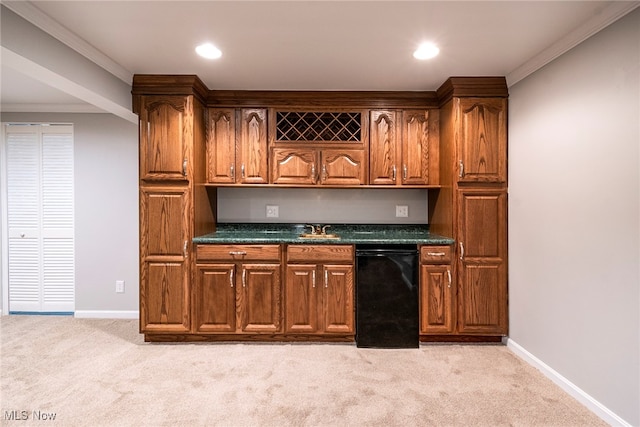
323,205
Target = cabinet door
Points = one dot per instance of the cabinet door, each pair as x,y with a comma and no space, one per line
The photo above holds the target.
436,299
415,147
383,167
215,298
164,297
483,140
260,301
294,166
342,167
301,298
166,132
164,269
338,299
164,221
221,146
482,293
253,146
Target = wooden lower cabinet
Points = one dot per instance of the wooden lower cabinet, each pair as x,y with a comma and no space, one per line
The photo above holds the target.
437,292
164,259
238,297
319,292
482,261
164,297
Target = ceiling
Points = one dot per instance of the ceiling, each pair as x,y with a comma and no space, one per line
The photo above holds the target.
312,45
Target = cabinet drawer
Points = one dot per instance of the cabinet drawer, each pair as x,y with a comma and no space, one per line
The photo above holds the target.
435,254
320,253
238,252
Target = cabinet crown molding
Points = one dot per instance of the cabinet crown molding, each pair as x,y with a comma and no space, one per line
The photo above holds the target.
494,87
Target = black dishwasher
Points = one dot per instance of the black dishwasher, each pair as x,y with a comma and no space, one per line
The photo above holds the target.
387,296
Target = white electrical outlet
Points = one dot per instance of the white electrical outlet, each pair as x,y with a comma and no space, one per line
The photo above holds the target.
272,211
120,286
402,211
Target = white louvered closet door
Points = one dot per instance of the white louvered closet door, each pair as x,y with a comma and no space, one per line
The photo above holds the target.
40,218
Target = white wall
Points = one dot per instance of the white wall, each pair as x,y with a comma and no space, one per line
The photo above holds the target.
106,208
574,216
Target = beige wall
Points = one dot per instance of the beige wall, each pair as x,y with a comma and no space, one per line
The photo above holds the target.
574,216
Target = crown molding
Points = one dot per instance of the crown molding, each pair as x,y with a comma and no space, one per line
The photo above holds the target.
606,17
35,16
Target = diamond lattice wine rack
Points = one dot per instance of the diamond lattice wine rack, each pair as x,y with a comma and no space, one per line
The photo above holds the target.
303,126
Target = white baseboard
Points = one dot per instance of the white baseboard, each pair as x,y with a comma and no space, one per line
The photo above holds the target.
576,392
106,314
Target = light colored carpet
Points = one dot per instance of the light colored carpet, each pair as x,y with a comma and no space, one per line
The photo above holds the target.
101,373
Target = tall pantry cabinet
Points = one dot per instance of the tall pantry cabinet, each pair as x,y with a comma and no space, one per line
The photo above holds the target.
471,205
172,173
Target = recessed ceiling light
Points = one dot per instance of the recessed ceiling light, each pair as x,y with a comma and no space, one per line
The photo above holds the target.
426,51
209,51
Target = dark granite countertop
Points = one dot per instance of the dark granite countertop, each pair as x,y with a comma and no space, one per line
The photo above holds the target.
264,233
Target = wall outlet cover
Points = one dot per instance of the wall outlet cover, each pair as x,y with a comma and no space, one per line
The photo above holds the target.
120,286
272,211
402,211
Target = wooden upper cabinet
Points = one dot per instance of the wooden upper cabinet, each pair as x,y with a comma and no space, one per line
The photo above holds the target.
403,147
482,147
342,167
383,148
419,143
294,166
221,145
237,154
166,132
252,147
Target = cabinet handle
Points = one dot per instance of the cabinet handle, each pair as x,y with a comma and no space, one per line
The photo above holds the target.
393,173
436,253
184,167
404,173
237,252
184,248
461,169
313,279
233,172
324,173
231,276
461,250
449,274
242,171
326,278
313,173
244,277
